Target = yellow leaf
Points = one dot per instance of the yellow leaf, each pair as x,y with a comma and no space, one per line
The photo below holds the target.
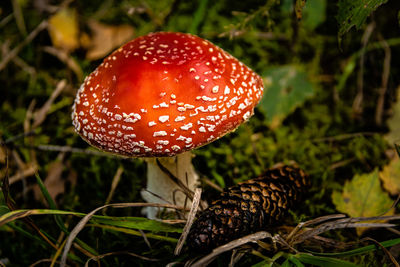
390,175
363,197
106,38
394,122
63,29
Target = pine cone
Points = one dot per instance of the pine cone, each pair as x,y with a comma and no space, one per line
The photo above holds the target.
248,207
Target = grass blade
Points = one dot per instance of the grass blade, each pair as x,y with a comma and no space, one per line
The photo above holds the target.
322,261
387,243
138,223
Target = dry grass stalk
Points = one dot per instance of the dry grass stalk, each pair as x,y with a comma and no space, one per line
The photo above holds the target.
229,246
81,224
189,222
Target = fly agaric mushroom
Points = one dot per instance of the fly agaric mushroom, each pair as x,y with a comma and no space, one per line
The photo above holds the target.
160,95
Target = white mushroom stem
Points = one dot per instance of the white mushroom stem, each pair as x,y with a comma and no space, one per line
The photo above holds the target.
161,188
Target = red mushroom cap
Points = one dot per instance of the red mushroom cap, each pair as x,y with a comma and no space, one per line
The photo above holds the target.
163,94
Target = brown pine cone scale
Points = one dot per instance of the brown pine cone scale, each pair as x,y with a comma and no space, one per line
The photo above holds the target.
248,207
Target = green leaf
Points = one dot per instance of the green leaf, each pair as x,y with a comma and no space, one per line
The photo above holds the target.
314,13
264,263
354,13
363,197
286,263
296,262
219,178
287,87
323,261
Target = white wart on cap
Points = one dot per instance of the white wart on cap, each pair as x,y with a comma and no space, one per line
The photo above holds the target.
163,94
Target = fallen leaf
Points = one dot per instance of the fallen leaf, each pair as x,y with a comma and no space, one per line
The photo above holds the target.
2,155
390,176
394,122
105,38
314,13
54,183
64,30
363,197
287,87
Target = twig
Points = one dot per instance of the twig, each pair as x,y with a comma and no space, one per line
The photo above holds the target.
23,65
19,18
115,181
59,148
385,78
41,261
358,100
75,150
29,170
342,137
5,49
96,258
13,53
328,242
25,169
6,20
397,232
27,128
12,139
64,57
234,33
40,115
341,163
212,184
278,239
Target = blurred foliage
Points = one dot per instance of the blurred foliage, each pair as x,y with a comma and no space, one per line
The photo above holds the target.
318,126
394,123
286,88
